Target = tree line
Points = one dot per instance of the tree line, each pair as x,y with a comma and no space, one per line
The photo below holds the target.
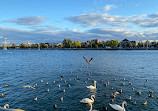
68,43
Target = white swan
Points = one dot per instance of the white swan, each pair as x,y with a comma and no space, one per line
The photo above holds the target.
87,100
7,105
118,107
91,107
92,87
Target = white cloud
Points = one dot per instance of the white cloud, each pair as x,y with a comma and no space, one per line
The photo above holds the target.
29,20
107,8
92,20
18,36
46,28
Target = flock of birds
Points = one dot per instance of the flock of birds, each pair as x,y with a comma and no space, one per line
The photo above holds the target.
88,101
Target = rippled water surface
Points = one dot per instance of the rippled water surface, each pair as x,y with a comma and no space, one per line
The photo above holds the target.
27,67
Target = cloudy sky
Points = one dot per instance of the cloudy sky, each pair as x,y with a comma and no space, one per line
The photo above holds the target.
53,20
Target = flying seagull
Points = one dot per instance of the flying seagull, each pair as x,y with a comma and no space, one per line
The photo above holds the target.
89,62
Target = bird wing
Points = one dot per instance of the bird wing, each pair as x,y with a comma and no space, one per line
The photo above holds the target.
90,86
116,107
86,60
86,100
90,60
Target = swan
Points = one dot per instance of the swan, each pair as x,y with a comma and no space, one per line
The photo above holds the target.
28,87
92,87
91,107
7,105
118,107
87,100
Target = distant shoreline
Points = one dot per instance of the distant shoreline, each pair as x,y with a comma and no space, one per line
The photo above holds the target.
83,49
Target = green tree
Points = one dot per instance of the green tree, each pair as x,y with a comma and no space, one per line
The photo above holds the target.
112,43
100,45
34,45
77,44
43,45
23,45
140,44
67,43
13,45
147,43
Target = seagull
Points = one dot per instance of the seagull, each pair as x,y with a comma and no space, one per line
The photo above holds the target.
6,85
130,83
118,107
87,100
89,62
28,87
145,103
61,98
138,92
35,99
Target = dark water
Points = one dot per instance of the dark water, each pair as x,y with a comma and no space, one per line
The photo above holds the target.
26,67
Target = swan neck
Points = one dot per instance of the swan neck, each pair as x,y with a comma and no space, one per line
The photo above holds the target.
123,105
92,98
90,107
95,84
5,106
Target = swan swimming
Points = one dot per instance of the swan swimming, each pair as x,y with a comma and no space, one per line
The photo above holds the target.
92,87
87,100
7,105
118,107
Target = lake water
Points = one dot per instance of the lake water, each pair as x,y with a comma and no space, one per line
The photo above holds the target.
27,67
